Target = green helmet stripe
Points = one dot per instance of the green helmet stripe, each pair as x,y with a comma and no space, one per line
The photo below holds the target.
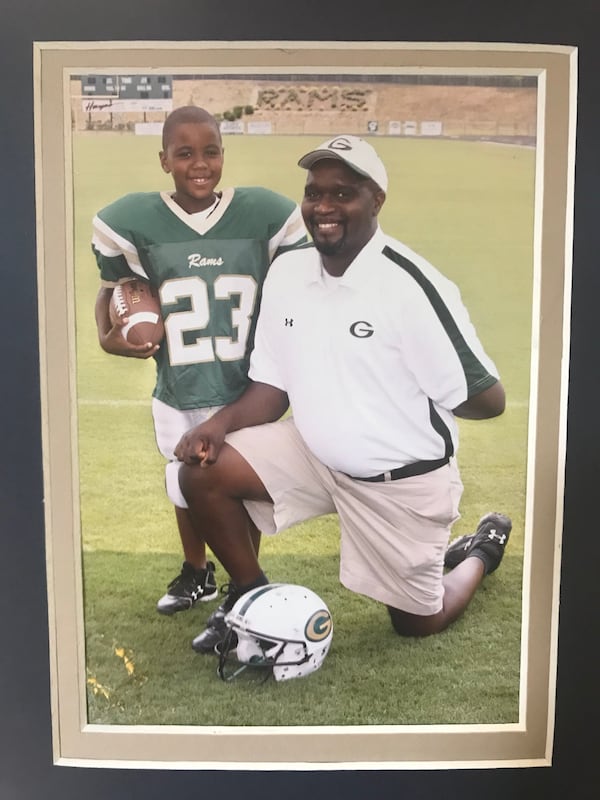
254,595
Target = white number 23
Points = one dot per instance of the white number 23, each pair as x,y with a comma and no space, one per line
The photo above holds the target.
204,349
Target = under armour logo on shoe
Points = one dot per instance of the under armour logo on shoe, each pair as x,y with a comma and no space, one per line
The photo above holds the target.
289,322
493,535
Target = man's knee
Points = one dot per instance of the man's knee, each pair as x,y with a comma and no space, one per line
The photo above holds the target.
413,625
218,479
193,480
231,476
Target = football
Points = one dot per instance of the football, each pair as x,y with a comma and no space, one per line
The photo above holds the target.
138,301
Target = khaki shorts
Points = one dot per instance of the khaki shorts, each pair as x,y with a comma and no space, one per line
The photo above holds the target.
393,534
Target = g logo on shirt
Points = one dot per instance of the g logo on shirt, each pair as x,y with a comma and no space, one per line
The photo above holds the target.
361,329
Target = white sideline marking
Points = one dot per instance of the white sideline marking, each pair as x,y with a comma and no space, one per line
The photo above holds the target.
83,401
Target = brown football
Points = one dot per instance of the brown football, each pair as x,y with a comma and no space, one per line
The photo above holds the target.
138,301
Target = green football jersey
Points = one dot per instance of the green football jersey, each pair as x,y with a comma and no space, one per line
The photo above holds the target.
208,271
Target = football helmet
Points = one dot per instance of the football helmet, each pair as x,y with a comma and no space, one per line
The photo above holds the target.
279,629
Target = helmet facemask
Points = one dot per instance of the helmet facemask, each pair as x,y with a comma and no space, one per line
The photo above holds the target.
244,654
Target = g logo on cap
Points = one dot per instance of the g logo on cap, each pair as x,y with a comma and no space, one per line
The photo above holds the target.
341,143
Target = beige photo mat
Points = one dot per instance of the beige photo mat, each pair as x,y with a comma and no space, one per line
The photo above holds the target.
527,742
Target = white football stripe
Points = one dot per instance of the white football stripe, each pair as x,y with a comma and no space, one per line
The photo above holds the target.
140,316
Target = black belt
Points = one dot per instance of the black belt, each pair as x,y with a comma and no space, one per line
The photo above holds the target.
409,471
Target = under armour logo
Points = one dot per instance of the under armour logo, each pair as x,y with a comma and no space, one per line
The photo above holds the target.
500,537
289,322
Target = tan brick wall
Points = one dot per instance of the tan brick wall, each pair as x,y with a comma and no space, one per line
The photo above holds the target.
329,108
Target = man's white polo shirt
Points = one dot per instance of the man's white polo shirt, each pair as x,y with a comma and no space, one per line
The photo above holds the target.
373,362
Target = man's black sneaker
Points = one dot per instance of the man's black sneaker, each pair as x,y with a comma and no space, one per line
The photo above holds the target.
216,628
487,543
188,588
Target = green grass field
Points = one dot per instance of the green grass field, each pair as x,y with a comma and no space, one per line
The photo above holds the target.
466,206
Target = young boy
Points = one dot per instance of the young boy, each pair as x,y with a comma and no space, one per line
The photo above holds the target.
207,252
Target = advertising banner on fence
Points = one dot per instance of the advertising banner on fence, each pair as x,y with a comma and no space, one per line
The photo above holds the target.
264,127
232,126
113,105
431,128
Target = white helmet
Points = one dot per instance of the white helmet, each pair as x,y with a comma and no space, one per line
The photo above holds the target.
279,629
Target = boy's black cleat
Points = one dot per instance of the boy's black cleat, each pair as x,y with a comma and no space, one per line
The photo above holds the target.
487,543
191,586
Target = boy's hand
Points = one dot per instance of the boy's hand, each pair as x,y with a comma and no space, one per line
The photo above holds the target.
110,333
113,342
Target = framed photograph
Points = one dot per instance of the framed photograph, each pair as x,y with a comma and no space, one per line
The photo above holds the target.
479,143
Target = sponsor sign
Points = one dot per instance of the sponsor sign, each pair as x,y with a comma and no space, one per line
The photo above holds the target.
236,126
112,105
431,128
148,128
263,127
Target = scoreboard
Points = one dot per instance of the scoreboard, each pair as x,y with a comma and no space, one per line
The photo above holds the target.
103,93
128,87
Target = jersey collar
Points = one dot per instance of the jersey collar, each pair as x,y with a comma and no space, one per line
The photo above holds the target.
200,226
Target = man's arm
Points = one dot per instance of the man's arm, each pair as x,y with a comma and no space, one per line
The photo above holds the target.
259,404
110,337
489,403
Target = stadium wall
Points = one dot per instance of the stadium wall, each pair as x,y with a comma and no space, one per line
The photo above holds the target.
326,107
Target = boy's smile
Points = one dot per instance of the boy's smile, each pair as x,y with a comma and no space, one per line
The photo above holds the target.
194,158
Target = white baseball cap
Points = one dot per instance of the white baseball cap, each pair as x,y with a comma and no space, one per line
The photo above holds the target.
354,151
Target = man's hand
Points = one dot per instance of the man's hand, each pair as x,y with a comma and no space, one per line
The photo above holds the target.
260,403
202,444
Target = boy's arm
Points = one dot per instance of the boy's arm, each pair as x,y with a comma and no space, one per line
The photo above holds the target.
110,336
107,248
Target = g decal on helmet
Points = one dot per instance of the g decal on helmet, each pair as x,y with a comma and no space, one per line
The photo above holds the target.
319,626
281,630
